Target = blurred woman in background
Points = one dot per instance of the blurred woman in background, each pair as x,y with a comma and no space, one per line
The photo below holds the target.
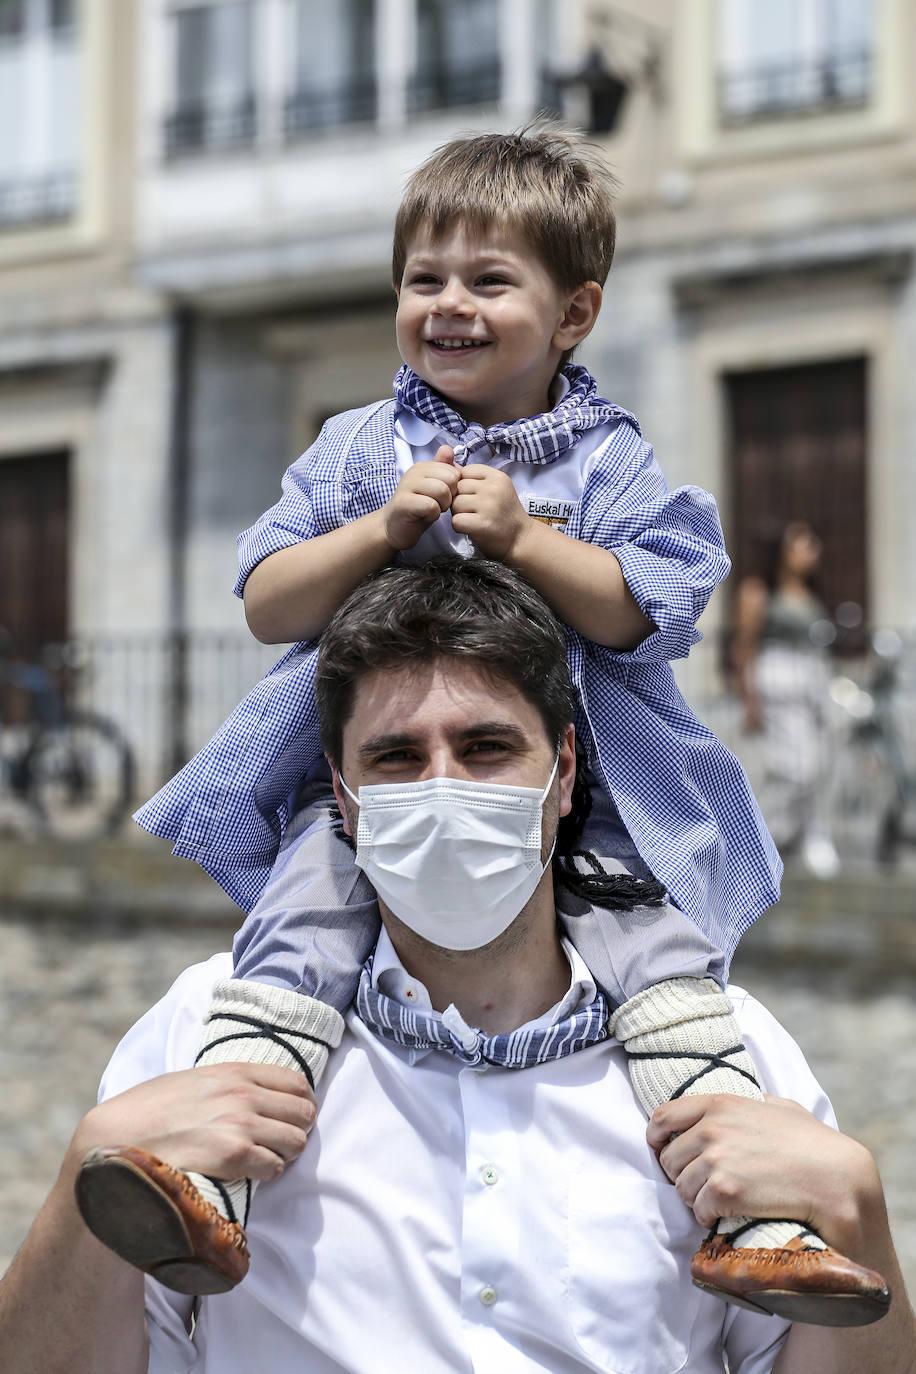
783,678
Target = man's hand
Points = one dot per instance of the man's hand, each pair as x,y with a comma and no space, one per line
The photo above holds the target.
68,1305
225,1120
487,510
423,493
730,1156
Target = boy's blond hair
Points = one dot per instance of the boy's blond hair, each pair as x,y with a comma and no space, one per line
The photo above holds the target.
543,182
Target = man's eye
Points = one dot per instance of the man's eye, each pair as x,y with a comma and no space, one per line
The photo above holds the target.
487,746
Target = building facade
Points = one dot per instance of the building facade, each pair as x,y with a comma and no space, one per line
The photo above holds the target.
219,281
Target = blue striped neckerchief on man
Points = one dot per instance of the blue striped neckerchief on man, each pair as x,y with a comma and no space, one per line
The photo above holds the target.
421,1029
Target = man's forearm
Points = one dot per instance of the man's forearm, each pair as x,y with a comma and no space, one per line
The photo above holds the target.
888,1345
67,1304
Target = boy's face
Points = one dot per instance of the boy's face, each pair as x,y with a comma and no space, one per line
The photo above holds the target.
482,321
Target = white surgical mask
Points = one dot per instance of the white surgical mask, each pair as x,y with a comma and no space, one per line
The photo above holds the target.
455,861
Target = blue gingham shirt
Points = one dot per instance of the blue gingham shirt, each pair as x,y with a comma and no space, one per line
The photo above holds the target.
683,797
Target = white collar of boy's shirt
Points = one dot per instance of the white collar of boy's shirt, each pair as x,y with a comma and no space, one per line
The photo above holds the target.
418,432
390,978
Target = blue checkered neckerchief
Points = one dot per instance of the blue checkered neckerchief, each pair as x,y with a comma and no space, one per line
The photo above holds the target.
538,439
520,1049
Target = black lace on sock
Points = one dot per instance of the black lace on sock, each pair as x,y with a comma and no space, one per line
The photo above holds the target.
223,1191
227,1200
262,1029
713,1061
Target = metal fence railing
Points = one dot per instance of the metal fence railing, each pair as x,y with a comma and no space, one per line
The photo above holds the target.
165,694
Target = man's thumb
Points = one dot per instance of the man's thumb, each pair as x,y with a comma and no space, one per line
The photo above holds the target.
445,454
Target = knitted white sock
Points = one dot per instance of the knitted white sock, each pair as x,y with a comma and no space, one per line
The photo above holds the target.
683,1039
254,1023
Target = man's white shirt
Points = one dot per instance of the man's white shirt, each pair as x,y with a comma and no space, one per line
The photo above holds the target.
456,1220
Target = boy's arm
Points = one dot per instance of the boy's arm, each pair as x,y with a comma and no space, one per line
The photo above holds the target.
293,592
582,583
730,1156
639,564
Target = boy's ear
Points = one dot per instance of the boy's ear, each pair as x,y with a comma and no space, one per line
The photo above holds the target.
579,317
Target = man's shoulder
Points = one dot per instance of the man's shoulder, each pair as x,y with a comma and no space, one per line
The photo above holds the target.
167,1036
781,1065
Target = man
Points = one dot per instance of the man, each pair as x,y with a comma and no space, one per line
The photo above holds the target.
449,1213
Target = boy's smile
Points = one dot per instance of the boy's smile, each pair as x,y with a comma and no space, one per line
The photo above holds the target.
483,322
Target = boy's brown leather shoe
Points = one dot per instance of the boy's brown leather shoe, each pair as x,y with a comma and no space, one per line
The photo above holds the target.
152,1216
801,1284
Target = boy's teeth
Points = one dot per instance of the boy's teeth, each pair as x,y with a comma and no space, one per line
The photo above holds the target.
455,343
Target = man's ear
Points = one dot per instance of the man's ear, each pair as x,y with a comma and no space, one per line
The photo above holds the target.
579,316
566,770
340,796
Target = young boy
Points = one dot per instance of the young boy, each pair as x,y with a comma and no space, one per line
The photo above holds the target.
494,444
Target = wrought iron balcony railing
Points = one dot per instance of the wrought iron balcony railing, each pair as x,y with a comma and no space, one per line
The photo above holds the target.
195,128
36,200
778,90
354,102
449,88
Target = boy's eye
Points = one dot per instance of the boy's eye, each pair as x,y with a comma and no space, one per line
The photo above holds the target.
492,279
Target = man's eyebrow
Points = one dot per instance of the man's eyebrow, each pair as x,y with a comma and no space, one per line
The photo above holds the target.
486,729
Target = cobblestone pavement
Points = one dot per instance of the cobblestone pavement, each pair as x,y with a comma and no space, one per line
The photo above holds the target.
68,990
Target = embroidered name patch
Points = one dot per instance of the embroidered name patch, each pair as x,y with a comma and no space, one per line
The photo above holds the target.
554,513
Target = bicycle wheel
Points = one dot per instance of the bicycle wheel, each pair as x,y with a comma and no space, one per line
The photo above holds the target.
80,777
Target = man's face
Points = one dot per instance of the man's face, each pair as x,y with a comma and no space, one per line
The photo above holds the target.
449,721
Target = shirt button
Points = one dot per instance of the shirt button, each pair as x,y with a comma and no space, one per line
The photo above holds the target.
489,1174
410,994
487,1296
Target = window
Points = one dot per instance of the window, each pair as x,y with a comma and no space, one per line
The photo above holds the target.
215,105
457,54
333,79
39,110
785,57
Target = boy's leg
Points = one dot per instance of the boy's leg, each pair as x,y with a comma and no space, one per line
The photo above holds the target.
317,921
682,1038
681,1035
300,953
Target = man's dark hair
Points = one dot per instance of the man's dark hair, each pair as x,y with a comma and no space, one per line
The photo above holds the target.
404,617
471,609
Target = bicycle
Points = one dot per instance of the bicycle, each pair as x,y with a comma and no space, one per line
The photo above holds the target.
72,769
875,783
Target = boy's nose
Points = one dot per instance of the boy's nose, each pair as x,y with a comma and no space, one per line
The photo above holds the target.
453,299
